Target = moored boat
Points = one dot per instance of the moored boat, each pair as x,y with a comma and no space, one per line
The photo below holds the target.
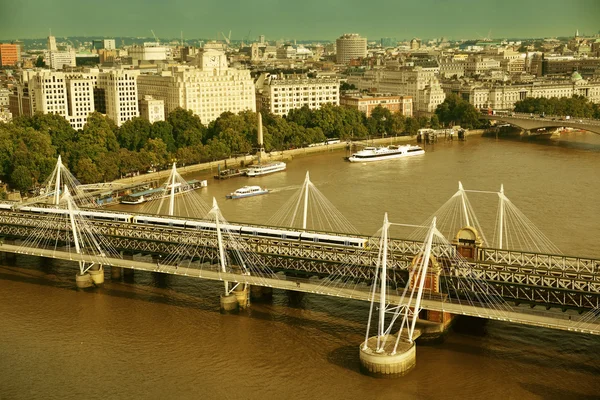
385,153
247,191
263,169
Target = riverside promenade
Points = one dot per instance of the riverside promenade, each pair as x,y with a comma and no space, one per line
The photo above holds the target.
272,156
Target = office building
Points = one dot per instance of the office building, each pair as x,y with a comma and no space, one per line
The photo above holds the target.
280,94
120,94
421,84
367,102
208,89
350,46
9,54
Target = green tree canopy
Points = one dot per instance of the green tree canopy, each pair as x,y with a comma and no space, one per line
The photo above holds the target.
187,128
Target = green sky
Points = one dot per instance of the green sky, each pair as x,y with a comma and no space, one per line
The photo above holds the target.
301,19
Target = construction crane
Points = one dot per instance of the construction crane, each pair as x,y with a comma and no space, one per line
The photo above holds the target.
155,38
227,38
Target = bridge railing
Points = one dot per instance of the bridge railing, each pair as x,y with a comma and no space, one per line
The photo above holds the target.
537,260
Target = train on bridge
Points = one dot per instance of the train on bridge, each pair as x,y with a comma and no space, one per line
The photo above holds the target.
202,225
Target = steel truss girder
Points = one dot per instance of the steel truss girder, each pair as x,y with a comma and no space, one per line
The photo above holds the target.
550,279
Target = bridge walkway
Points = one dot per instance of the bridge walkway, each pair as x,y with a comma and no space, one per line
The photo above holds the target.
553,320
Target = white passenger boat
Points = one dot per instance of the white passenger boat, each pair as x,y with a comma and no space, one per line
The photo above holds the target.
263,169
385,153
247,191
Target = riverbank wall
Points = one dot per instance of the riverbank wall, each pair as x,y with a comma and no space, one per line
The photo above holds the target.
285,155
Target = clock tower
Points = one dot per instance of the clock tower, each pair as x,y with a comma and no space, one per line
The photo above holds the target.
212,59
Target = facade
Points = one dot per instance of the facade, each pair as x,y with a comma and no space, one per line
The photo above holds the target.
120,94
4,94
555,66
421,84
503,96
105,44
450,67
366,103
109,44
60,59
52,43
150,51
20,102
107,56
477,65
152,109
279,95
9,54
208,89
350,46
68,95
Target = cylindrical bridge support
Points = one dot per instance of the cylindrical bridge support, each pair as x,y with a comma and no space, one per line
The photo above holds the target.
97,275
241,292
229,304
84,281
385,364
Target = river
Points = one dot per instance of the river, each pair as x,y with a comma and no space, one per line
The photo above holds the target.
157,337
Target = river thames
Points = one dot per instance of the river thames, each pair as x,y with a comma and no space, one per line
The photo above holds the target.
158,337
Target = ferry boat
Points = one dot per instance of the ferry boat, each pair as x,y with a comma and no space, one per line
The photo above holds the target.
263,169
164,191
385,153
247,191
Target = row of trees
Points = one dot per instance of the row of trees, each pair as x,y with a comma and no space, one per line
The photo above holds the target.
576,106
101,151
457,111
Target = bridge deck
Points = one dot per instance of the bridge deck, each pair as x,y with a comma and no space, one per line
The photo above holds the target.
546,320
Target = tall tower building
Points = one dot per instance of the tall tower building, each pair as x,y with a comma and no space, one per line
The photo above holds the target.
120,94
350,46
52,43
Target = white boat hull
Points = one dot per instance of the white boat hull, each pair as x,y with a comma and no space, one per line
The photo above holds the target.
239,196
385,157
252,173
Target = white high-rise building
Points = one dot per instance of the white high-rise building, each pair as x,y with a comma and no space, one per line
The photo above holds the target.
52,43
120,94
208,89
350,46
279,95
68,95
109,44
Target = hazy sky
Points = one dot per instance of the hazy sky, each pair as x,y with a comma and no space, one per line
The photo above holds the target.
301,19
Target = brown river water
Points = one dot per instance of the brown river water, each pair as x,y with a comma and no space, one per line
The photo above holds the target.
162,337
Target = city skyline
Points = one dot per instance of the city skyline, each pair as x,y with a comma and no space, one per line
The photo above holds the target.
425,19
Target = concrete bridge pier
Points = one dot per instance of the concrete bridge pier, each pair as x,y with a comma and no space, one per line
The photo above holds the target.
97,275
242,294
229,304
387,363
84,281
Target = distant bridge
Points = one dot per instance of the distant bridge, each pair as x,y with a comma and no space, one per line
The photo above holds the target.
528,122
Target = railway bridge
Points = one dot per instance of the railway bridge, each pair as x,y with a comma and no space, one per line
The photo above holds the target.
415,286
